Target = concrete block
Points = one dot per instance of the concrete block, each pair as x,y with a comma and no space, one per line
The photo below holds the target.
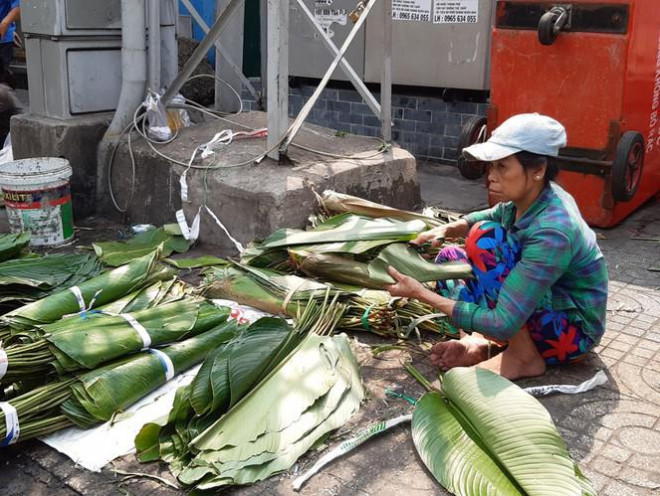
403,125
361,108
408,102
429,127
74,139
372,120
349,96
430,103
329,94
339,106
435,152
453,130
254,200
453,119
417,115
350,118
439,117
397,113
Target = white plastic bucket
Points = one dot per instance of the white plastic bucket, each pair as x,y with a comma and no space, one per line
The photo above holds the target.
37,196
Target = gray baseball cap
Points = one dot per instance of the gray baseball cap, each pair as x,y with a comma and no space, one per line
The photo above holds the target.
533,133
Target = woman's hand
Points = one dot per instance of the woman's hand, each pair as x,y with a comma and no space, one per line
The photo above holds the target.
436,236
405,286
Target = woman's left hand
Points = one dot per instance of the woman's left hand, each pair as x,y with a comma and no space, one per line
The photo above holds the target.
405,286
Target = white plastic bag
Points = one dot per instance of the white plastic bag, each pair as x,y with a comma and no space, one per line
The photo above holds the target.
158,126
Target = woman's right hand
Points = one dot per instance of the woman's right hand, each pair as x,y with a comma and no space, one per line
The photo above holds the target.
434,236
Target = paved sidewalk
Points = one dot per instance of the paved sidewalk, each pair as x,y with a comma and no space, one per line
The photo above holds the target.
613,431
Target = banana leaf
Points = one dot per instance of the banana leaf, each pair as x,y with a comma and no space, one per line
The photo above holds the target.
96,396
344,228
28,279
312,392
484,435
116,253
100,394
374,273
227,374
11,245
100,290
195,263
158,293
338,203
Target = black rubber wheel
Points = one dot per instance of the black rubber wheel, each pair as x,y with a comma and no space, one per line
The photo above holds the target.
627,166
547,35
473,131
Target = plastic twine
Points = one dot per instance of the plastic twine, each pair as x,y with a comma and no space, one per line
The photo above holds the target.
11,421
365,318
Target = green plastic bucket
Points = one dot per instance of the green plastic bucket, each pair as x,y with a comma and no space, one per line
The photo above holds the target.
37,196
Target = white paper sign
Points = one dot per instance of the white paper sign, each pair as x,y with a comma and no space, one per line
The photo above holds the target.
455,11
411,10
326,17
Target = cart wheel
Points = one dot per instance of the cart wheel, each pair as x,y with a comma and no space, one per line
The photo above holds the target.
473,131
627,166
547,33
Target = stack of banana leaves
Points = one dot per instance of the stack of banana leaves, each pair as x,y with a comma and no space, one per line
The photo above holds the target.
303,383
92,397
84,342
31,278
168,239
482,434
12,245
364,310
92,293
353,249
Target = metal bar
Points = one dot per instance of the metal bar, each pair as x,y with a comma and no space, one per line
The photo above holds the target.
386,76
278,74
154,53
307,108
200,52
344,64
223,51
263,44
226,74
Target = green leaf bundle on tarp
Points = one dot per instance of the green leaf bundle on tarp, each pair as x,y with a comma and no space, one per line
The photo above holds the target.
484,435
11,245
100,290
104,392
312,392
97,396
85,342
168,239
28,279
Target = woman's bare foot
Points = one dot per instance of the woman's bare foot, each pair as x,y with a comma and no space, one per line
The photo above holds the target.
520,359
465,352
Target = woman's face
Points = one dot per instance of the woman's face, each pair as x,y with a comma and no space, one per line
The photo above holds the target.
508,180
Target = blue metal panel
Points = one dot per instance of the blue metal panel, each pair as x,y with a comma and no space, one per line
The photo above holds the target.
206,9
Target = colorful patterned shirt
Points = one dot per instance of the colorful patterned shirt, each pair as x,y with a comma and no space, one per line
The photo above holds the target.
561,268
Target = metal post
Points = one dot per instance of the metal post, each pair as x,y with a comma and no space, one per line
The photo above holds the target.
278,74
307,108
232,39
153,21
200,52
386,76
226,57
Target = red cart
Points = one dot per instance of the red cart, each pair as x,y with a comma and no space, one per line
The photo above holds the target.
593,65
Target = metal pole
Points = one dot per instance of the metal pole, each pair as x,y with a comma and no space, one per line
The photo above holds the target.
386,76
344,65
169,48
307,108
278,74
200,52
153,21
226,57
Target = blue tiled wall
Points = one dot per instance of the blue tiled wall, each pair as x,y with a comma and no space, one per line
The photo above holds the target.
428,127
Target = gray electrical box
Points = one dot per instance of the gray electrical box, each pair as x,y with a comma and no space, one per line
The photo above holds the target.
308,55
435,43
70,77
73,52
